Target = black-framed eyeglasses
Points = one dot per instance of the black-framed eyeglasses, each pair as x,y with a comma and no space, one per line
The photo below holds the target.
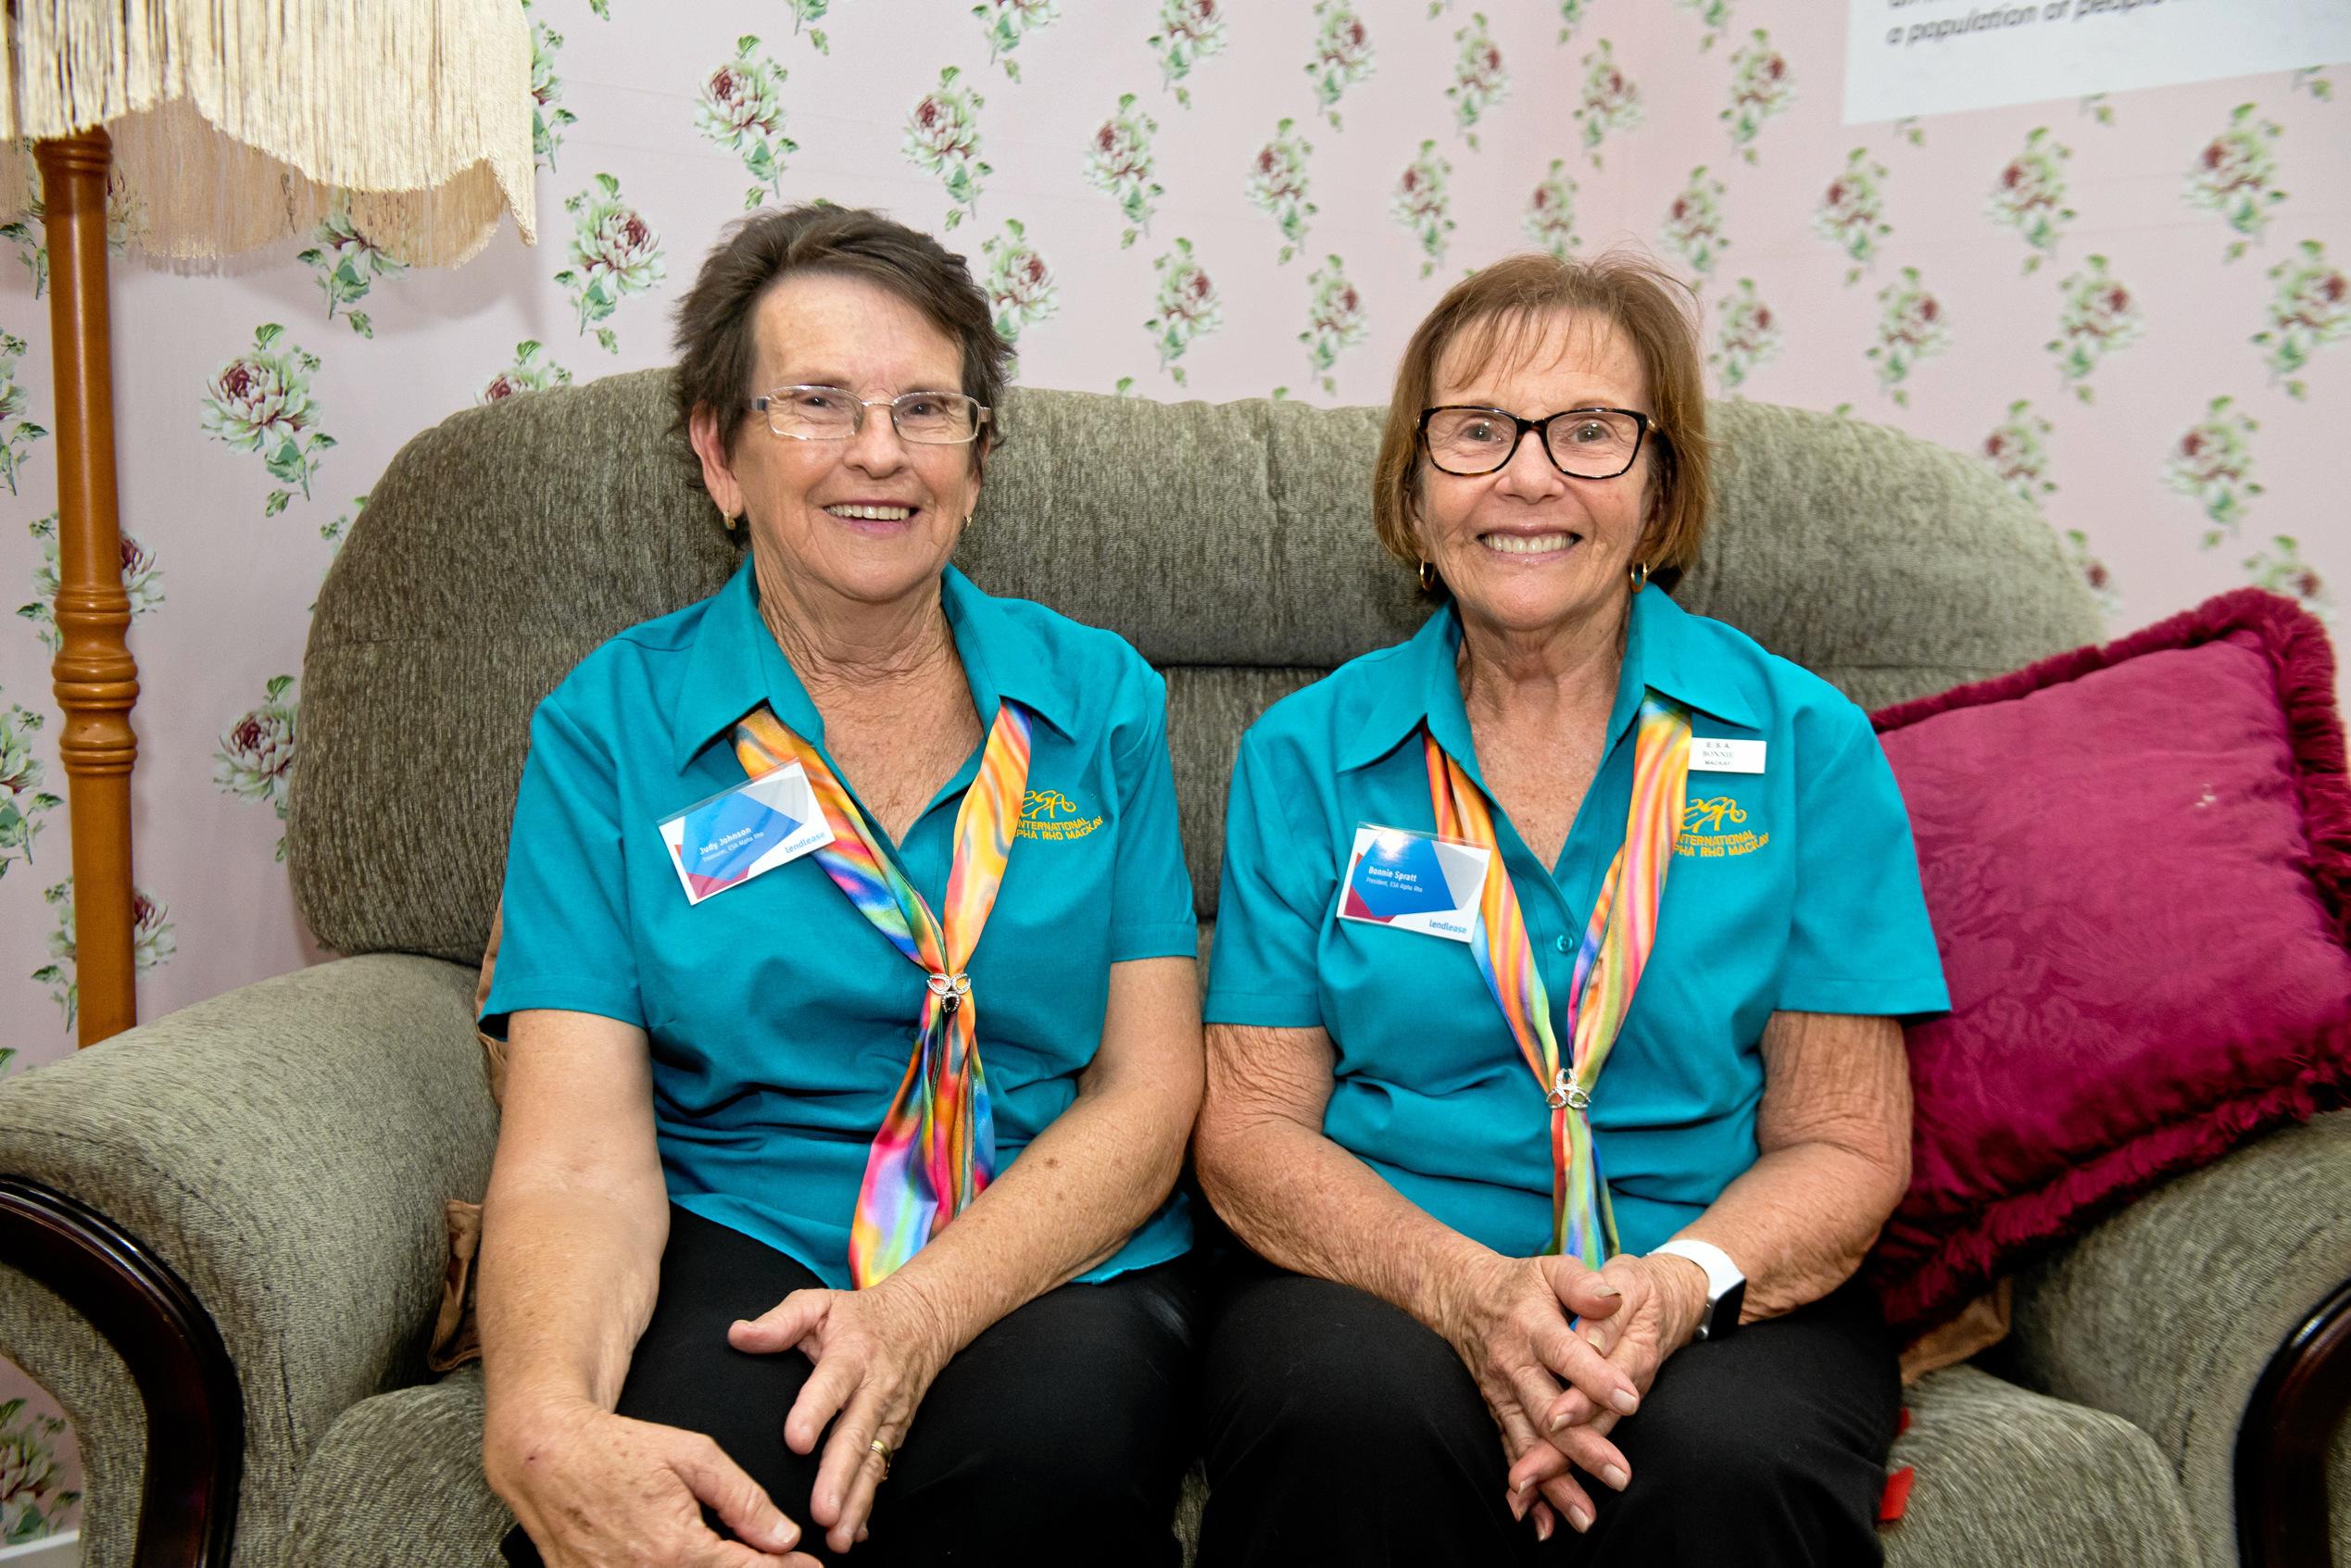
1582,443
832,413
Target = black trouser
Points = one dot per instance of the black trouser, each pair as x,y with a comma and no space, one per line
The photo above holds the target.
1341,1430
1061,1424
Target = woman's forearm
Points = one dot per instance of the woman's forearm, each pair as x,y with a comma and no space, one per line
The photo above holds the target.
1070,1202
1798,1223
566,1286
1088,1178
575,1221
1300,1200
1834,1129
1304,1204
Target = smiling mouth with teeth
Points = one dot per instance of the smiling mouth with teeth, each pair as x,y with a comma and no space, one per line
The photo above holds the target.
872,514
1529,544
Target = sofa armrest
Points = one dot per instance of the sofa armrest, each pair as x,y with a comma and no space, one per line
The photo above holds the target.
2168,1313
284,1151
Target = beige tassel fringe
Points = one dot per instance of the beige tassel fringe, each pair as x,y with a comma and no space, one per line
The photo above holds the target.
236,122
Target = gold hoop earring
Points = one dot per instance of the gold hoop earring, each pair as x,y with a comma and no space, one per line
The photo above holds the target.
727,519
1427,577
1639,575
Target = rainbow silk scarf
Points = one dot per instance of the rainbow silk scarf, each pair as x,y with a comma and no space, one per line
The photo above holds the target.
1616,948
935,1151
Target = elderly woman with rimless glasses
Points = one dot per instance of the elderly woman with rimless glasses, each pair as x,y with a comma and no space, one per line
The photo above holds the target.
829,1073
1554,1084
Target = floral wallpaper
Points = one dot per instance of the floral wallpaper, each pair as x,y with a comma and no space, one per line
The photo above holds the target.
2132,307
37,1461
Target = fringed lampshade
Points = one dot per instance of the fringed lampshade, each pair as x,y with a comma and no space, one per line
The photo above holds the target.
236,123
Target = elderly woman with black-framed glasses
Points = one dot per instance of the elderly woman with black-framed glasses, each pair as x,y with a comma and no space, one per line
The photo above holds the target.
844,1104
1555,1082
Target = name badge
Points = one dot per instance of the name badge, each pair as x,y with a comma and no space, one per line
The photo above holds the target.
1413,881
734,835
1713,754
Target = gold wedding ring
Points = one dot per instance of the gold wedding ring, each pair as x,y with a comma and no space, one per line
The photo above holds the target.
883,1450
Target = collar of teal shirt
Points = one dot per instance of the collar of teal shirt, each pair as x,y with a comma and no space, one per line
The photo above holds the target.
736,666
1665,652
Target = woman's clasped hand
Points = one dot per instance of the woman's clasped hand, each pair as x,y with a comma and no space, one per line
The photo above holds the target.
874,1353
1527,1328
1652,1309
598,1490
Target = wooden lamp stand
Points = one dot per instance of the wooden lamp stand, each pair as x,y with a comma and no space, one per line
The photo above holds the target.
95,679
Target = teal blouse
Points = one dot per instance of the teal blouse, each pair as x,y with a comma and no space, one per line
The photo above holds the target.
1792,889
780,1021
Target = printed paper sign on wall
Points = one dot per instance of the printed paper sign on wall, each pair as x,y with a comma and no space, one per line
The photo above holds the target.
1911,57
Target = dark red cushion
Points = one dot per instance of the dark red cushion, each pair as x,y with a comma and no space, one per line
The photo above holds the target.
2138,859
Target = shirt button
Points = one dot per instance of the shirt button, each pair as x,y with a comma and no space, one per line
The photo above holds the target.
1561,943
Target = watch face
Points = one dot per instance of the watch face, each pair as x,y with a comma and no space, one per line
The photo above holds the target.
1723,1316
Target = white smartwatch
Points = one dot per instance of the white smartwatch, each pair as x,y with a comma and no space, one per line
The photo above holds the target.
1726,1286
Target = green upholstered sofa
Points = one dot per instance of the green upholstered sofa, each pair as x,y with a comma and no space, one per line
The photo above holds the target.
222,1234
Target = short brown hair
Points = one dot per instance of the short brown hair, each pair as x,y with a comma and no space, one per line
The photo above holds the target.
1509,303
717,342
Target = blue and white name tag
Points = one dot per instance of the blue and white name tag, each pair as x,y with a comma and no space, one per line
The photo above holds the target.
1413,881
734,835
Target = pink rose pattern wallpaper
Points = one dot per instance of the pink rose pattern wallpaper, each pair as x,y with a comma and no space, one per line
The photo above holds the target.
2132,307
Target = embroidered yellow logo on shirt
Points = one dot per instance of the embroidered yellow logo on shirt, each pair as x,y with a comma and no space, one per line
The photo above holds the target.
1050,814
1716,814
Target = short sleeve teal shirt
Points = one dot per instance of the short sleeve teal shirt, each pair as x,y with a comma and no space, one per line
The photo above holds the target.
1792,889
780,1019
